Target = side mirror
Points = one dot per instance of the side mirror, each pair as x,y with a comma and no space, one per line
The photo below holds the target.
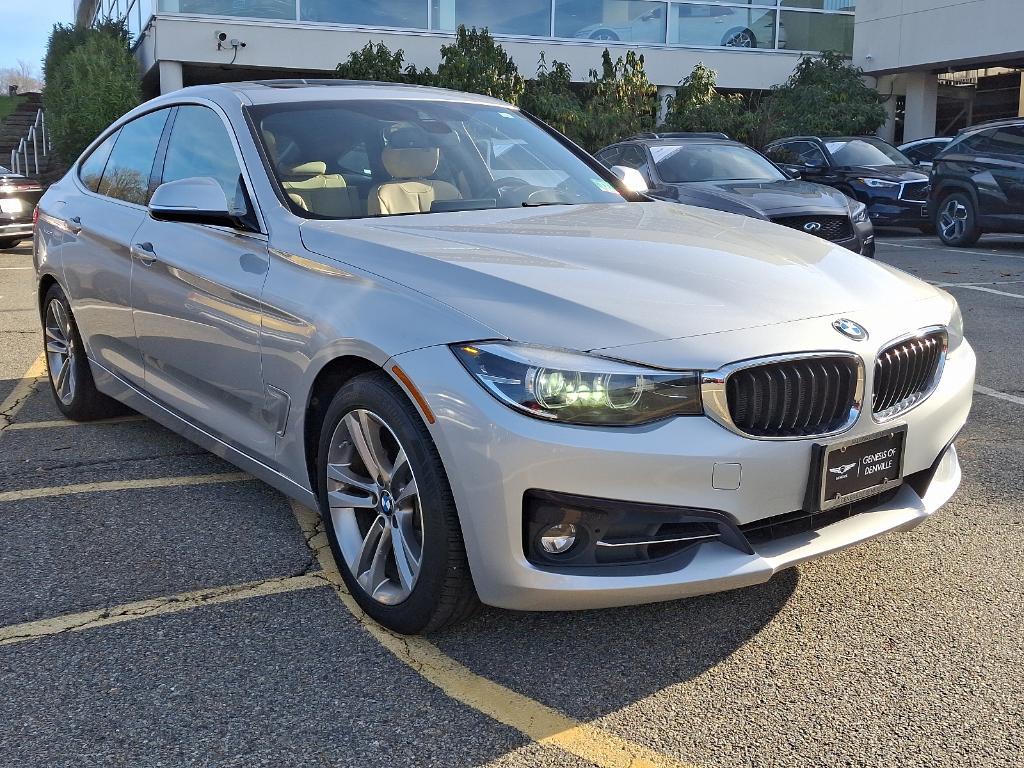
632,179
793,171
198,200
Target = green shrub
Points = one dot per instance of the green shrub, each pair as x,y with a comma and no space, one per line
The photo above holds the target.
477,64
377,62
551,98
825,95
698,106
623,101
64,38
95,83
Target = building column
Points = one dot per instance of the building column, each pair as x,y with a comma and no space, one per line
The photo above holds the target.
886,86
171,76
922,101
664,93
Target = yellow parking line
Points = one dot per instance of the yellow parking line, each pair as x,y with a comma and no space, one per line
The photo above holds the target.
537,721
55,423
19,395
157,606
123,485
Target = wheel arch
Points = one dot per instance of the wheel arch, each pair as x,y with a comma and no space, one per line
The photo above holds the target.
46,282
954,185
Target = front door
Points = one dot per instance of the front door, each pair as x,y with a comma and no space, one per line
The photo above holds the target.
196,298
100,220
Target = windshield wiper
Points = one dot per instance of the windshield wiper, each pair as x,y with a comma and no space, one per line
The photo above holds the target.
528,204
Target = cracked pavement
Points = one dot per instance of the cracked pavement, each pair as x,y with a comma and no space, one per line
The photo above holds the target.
905,651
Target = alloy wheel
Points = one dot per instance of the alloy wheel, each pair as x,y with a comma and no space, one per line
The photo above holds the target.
375,506
744,39
60,351
953,220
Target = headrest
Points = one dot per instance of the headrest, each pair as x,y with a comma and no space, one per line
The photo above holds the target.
315,168
411,162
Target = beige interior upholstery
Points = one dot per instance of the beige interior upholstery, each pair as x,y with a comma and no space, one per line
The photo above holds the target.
321,192
411,191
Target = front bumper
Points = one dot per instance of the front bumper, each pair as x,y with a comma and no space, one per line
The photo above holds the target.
494,456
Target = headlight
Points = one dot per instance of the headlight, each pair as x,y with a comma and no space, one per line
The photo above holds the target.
579,389
878,183
858,211
955,328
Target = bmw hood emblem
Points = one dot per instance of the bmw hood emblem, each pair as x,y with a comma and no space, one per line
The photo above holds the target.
850,329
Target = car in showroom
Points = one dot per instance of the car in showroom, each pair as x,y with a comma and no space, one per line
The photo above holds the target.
706,25
711,171
977,183
865,168
923,151
536,396
18,198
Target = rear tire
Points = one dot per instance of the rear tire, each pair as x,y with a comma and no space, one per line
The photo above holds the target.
71,383
388,510
956,221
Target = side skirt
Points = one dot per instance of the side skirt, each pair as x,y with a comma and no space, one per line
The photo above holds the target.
114,386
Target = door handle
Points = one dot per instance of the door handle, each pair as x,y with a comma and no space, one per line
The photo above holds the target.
75,225
144,253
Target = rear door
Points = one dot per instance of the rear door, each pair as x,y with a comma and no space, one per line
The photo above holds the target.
1005,162
196,296
101,211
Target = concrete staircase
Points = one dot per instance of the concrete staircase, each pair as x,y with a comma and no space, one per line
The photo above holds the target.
15,127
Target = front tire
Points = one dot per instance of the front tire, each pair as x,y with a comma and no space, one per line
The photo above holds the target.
389,512
741,38
604,34
71,383
957,220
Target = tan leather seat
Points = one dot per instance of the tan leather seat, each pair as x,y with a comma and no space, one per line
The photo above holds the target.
320,192
411,191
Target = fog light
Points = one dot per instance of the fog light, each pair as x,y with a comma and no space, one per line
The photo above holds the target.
558,538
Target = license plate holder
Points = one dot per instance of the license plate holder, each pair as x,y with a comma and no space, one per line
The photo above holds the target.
851,470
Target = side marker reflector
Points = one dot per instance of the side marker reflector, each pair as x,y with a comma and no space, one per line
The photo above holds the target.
416,395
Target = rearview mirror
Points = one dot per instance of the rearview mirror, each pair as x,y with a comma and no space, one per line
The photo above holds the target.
632,179
198,200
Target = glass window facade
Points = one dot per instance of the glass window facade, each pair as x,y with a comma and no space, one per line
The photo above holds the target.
794,25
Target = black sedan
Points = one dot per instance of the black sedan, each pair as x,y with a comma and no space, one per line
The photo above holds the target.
711,171
865,168
18,198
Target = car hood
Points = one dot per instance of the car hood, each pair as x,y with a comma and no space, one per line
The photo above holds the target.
596,276
764,198
888,172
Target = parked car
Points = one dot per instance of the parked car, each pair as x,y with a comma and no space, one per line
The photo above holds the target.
545,396
18,198
708,25
711,171
978,183
923,151
865,168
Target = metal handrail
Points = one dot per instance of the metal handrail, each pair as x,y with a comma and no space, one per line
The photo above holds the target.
37,138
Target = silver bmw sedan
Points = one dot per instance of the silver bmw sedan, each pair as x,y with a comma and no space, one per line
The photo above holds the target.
500,374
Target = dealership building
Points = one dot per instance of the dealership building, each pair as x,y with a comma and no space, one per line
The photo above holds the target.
941,63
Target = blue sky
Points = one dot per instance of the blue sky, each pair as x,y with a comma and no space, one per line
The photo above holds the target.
25,25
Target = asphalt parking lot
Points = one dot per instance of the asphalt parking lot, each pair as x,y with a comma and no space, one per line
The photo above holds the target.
157,607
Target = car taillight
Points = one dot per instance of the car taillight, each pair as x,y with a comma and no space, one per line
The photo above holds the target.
35,217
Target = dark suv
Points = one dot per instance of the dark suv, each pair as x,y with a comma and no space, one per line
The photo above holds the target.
978,183
865,168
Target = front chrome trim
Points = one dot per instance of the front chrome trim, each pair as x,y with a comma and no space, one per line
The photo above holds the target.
926,393
640,542
716,402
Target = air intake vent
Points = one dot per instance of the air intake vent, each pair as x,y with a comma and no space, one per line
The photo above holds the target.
834,228
906,372
797,397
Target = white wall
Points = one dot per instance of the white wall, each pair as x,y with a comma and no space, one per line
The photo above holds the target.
315,47
892,35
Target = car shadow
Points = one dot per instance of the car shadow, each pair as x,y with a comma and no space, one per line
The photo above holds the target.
591,663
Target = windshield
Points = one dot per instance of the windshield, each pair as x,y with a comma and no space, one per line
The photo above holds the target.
865,152
711,162
352,159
